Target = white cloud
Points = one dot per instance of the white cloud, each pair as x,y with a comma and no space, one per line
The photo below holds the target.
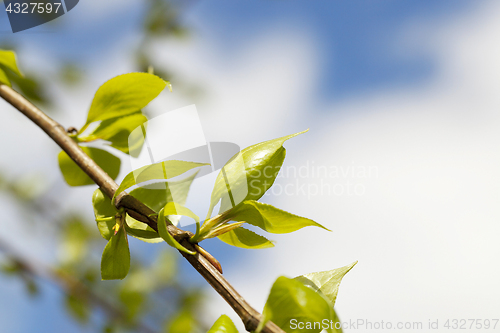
425,231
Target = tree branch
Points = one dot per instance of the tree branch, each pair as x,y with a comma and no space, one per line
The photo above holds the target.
69,284
137,209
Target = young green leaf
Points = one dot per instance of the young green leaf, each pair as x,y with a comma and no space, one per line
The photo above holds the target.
75,176
156,196
221,230
115,261
183,322
123,95
246,239
133,301
118,132
172,208
223,325
141,231
249,174
326,283
270,218
102,204
8,61
3,78
75,239
158,171
290,300
104,213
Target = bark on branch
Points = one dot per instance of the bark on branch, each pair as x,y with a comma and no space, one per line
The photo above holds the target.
137,209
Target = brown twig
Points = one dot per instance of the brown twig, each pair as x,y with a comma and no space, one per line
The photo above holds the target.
69,284
137,209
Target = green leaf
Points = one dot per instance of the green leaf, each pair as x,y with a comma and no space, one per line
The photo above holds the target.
74,245
172,208
183,322
78,307
270,218
104,213
8,60
249,174
115,261
156,196
245,238
32,88
123,95
156,171
290,300
327,282
215,232
141,231
118,132
133,300
75,176
223,325
3,78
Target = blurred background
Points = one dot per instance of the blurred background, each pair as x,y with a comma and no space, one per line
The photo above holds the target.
401,161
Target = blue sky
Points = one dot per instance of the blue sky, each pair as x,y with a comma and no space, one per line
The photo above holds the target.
403,85
359,40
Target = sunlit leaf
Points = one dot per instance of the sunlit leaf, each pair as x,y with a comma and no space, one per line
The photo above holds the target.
133,300
118,132
74,243
223,325
104,213
157,171
123,95
75,176
141,231
225,228
291,302
270,218
183,322
245,238
164,270
249,174
32,87
3,78
8,61
173,209
115,261
327,282
156,196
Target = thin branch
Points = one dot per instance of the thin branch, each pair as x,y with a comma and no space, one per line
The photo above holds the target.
137,209
69,284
